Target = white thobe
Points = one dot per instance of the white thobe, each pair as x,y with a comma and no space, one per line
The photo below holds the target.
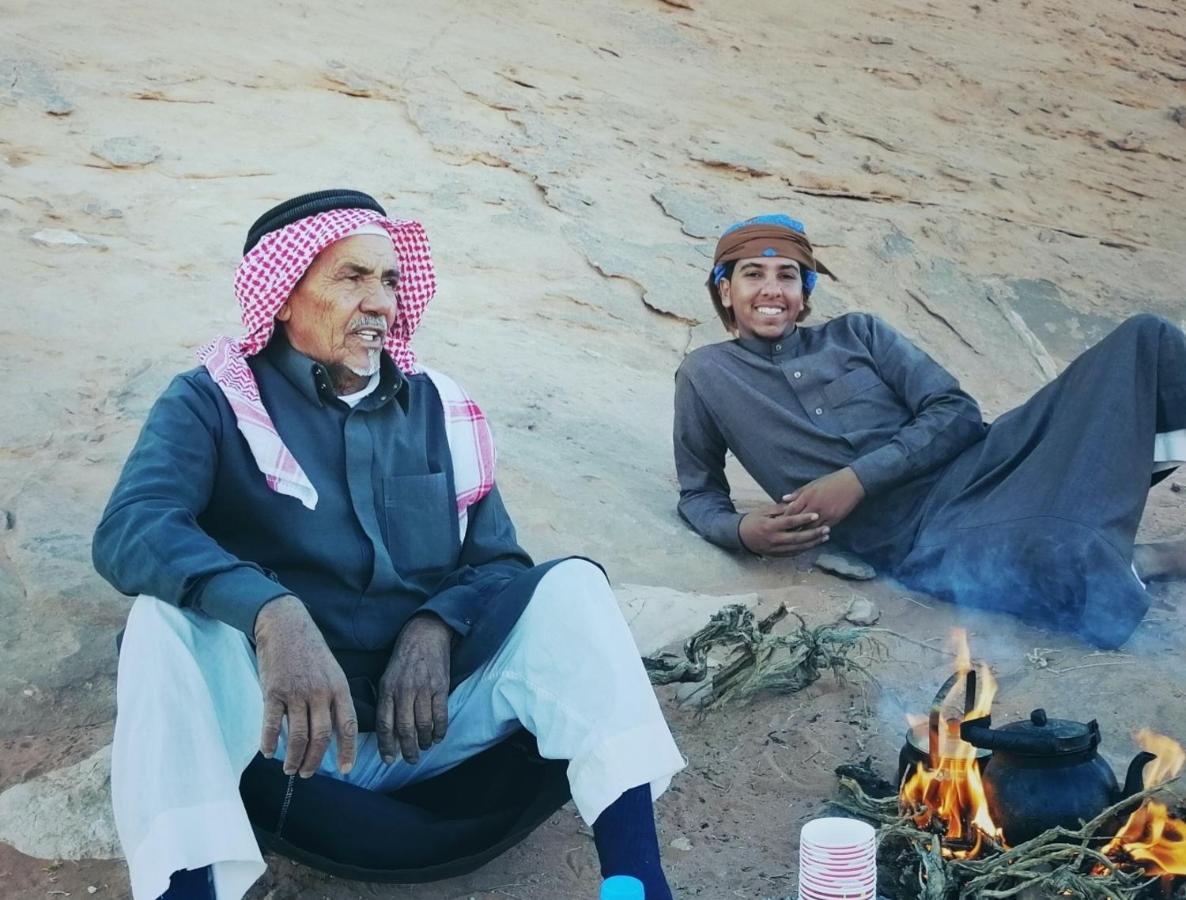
190,713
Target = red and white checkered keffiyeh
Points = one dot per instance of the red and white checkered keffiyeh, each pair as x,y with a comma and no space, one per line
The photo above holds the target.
266,278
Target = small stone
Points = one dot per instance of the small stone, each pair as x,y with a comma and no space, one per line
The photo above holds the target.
862,612
1178,114
64,814
91,889
126,152
58,237
1130,143
881,40
7,520
681,843
845,565
103,212
25,79
1177,487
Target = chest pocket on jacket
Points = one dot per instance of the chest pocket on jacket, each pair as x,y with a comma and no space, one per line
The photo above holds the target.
420,517
862,401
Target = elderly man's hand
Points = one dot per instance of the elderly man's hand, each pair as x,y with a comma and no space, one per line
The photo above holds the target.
301,679
832,497
778,531
414,691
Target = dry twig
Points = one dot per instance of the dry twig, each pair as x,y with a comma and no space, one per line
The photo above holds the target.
1058,863
759,660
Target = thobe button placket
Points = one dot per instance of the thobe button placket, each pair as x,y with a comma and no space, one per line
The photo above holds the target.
778,348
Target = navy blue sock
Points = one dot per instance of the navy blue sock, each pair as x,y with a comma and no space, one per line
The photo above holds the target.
627,843
190,884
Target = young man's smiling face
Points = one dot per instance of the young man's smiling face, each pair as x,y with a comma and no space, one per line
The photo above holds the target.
765,295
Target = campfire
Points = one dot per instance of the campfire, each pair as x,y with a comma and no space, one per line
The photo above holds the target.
1026,809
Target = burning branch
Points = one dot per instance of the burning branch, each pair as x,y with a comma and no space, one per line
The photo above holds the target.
938,840
1060,862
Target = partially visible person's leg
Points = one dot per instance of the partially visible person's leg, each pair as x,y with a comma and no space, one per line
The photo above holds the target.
191,884
188,722
1058,486
1161,561
1048,571
1084,446
1165,560
571,673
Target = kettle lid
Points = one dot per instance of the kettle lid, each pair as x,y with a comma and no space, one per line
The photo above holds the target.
1053,737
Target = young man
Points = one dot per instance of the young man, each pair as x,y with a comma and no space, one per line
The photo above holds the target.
328,576
863,440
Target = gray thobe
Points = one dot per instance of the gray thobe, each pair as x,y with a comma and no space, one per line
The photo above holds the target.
1036,514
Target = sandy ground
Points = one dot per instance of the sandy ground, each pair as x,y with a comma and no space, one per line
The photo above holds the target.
1001,181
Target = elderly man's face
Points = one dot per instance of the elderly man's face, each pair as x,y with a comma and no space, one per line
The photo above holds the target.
341,310
765,294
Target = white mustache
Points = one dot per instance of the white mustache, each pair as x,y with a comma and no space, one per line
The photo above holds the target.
376,322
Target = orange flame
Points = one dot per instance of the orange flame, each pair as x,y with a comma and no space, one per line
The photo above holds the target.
1153,839
1169,753
949,798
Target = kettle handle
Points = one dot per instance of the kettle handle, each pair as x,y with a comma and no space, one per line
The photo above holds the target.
1134,780
935,719
979,733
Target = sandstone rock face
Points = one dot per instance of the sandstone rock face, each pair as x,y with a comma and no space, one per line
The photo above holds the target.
1000,183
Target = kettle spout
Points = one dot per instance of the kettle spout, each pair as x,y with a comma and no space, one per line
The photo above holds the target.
1134,781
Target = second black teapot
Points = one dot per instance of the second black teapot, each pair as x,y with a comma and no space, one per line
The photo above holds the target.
1046,773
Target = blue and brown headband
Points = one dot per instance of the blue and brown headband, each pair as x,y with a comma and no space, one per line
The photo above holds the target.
770,235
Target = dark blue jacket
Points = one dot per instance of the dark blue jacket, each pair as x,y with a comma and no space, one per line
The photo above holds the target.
192,521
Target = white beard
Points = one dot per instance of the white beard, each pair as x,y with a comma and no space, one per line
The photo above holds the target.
370,368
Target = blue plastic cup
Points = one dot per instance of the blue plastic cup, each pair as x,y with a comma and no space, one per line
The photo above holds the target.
622,887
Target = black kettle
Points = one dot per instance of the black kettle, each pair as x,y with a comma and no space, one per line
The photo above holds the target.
1046,773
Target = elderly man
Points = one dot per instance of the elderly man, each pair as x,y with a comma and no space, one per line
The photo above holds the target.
863,440
327,574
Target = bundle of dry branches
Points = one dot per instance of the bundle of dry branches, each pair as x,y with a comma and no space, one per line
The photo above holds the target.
758,660
1058,863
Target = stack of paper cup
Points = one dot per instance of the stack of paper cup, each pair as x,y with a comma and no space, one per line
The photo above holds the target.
837,860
